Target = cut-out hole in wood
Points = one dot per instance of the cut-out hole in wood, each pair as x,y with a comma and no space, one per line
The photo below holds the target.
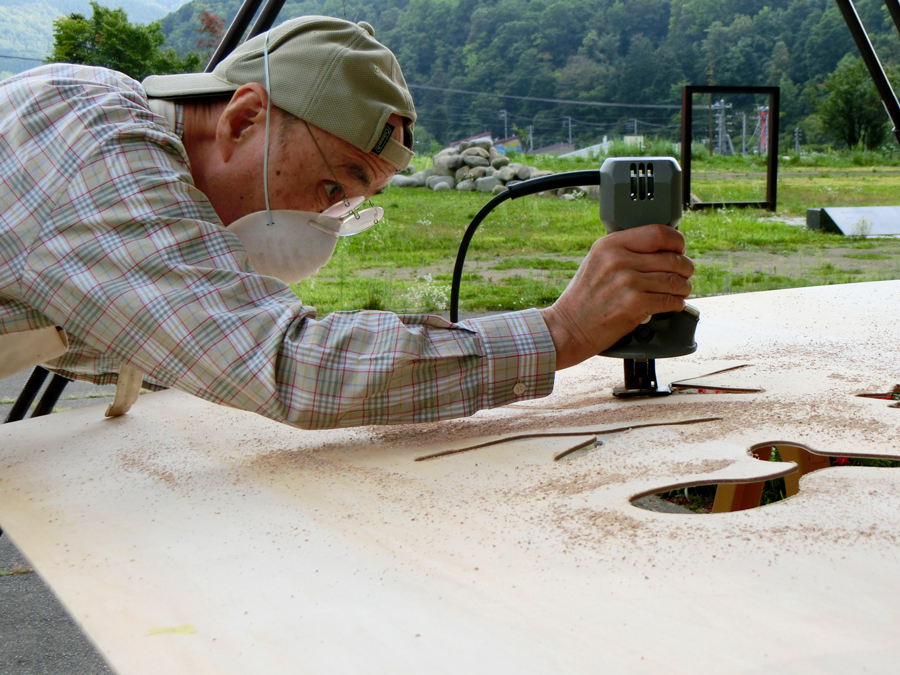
728,497
892,395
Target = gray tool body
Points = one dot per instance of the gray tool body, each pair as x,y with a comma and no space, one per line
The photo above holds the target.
638,191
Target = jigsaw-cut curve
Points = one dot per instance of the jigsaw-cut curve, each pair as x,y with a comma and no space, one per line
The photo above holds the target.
740,495
560,434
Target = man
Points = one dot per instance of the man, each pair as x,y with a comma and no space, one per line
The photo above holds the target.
136,219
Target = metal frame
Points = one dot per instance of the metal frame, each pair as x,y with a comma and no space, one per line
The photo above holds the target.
870,58
233,36
687,117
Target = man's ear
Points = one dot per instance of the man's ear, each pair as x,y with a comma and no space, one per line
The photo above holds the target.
244,115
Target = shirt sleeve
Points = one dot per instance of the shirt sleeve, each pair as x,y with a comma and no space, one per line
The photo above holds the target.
134,264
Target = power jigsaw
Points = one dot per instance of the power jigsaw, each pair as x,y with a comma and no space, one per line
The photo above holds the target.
638,191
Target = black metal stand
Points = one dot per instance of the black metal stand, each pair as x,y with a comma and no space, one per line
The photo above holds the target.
640,380
867,52
30,391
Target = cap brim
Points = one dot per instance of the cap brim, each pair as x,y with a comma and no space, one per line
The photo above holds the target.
186,84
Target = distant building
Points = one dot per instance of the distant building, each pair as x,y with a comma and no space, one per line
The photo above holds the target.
512,143
486,134
555,149
600,149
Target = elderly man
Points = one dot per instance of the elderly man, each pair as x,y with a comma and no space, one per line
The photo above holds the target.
147,232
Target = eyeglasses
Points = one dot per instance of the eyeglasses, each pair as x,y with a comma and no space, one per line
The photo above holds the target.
344,198
355,221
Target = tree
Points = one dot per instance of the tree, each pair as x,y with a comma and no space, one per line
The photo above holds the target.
850,109
213,28
107,39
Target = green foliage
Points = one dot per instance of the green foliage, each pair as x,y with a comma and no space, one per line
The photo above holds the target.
850,110
634,52
108,39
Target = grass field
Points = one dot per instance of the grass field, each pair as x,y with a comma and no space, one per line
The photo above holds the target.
526,251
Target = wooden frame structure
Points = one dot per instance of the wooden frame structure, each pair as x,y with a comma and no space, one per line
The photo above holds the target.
687,96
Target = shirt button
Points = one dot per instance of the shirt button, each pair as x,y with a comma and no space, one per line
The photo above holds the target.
519,389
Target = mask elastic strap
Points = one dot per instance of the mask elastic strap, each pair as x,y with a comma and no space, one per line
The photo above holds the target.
269,219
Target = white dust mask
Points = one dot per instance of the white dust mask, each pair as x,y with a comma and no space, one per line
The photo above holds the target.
293,245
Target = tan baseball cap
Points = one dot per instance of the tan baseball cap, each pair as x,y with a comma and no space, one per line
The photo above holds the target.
332,73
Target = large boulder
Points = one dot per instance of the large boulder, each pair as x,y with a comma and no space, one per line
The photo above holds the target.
476,152
499,162
463,172
506,174
467,185
399,180
478,172
474,160
524,172
433,181
485,143
498,189
442,187
448,162
446,151
465,145
487,184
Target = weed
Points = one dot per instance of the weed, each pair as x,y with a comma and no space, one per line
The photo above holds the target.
15,570
428,295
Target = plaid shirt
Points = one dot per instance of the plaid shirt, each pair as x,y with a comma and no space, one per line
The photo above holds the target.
103,233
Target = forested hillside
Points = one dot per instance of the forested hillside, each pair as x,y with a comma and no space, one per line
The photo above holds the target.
627,52
26,26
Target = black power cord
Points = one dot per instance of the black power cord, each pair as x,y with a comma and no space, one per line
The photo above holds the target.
523,189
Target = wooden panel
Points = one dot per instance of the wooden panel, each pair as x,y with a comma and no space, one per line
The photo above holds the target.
290,551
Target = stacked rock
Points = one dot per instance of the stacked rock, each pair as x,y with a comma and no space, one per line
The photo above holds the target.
470,166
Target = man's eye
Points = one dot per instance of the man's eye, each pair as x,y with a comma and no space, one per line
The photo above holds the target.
333,190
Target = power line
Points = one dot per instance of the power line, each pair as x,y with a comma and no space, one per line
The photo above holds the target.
20,58
545,100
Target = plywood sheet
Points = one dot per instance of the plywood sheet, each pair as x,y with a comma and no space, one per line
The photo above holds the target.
188,538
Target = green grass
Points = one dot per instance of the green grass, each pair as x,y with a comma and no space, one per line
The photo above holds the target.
868,256
526,250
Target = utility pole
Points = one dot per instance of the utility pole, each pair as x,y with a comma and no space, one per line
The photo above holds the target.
530,138
503,116
709,106
568,120
723,141
743,133
797,141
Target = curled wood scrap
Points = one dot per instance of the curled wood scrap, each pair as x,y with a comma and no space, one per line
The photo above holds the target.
562,434
689,383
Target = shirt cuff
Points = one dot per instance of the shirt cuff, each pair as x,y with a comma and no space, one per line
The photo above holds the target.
519,357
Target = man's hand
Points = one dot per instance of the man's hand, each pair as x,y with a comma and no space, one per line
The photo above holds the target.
627,276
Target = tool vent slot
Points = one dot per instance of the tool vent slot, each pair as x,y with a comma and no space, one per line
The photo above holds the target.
642,184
